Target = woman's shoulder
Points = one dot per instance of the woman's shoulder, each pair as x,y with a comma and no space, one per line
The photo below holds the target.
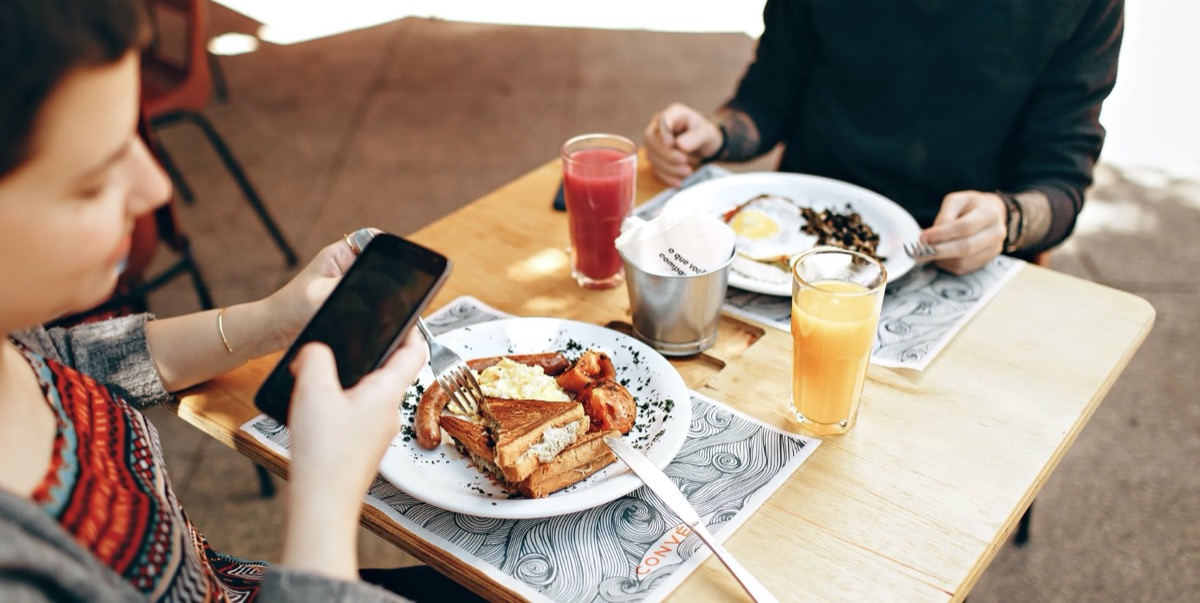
38,341
112,351
65,343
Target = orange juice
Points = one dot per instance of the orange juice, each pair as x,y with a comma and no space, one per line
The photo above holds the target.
833,328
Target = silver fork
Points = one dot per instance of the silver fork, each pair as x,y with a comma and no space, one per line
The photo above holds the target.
453,375
919,250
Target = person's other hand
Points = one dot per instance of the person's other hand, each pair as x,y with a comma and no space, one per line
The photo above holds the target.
293,305
676,140
968,231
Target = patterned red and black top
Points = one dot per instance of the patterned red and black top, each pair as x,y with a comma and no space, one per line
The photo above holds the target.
108,488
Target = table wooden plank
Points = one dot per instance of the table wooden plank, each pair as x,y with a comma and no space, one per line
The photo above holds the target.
910,505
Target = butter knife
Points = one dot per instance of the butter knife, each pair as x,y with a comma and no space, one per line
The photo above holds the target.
661,485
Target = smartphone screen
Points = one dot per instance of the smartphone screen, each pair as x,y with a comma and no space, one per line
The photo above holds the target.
364,318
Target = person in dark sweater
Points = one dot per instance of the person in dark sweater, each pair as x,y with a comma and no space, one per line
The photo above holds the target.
979,118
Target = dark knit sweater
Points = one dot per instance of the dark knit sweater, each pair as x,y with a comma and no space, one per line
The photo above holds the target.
915,99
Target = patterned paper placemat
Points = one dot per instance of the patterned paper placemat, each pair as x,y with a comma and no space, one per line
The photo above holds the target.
922,311
630,549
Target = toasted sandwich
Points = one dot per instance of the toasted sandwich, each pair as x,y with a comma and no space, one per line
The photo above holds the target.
526,433
474,442
586,456
530,446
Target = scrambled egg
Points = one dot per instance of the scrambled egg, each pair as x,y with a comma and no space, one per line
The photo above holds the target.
515,381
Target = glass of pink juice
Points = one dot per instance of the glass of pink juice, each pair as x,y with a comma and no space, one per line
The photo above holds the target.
599,176
837,296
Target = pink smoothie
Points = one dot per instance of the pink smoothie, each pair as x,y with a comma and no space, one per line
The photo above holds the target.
599,193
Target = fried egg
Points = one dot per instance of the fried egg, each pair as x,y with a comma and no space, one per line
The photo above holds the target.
769,228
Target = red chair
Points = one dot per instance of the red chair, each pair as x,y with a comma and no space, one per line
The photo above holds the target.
176,89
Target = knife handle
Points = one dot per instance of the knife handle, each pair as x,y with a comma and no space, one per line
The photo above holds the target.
757,591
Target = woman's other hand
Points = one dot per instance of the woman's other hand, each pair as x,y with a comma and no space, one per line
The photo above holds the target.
968,231
293,305
676,140
244,331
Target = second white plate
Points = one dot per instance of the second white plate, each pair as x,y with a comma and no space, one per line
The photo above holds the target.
894,225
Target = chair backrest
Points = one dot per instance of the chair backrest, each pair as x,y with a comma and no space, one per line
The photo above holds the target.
175,71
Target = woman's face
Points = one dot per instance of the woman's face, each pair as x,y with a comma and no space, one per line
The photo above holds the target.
67,213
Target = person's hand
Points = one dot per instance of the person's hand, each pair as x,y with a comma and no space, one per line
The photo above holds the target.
676,140
293,305
338,439
340,436
968,231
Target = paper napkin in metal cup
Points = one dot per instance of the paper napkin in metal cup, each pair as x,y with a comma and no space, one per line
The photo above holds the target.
679,244
677,271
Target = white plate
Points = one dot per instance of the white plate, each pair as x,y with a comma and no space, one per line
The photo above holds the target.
442,477
894,225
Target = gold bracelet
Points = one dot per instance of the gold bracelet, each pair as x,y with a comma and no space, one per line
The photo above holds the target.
221,330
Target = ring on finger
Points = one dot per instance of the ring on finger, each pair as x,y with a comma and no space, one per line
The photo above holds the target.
348,238
359,239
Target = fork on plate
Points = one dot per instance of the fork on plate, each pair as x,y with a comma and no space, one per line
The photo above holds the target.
453,375
919,250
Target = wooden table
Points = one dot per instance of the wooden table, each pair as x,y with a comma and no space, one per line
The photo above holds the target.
911,505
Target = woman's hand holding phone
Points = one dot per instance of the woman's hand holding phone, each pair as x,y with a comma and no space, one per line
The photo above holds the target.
338,439
251,329
294,304
342,418
366,315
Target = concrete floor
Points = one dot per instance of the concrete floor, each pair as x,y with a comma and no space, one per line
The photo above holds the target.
396,125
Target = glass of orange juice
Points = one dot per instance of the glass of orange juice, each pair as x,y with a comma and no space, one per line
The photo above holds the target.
836,299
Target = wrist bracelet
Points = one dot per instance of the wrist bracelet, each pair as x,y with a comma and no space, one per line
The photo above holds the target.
221,329
1014,221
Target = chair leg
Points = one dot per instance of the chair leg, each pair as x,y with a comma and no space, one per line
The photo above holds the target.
220,88
1022,536
202,294
235,169
177,179
266,487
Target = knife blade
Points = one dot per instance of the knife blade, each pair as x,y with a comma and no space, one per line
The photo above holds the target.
661,485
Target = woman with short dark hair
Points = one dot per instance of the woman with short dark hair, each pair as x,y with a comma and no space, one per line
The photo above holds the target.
86,509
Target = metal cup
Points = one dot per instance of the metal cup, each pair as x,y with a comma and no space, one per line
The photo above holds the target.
676,314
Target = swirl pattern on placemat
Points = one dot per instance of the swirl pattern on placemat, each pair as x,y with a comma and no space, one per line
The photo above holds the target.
457,315
593,555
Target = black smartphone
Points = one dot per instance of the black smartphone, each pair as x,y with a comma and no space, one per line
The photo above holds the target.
560,200
365,317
